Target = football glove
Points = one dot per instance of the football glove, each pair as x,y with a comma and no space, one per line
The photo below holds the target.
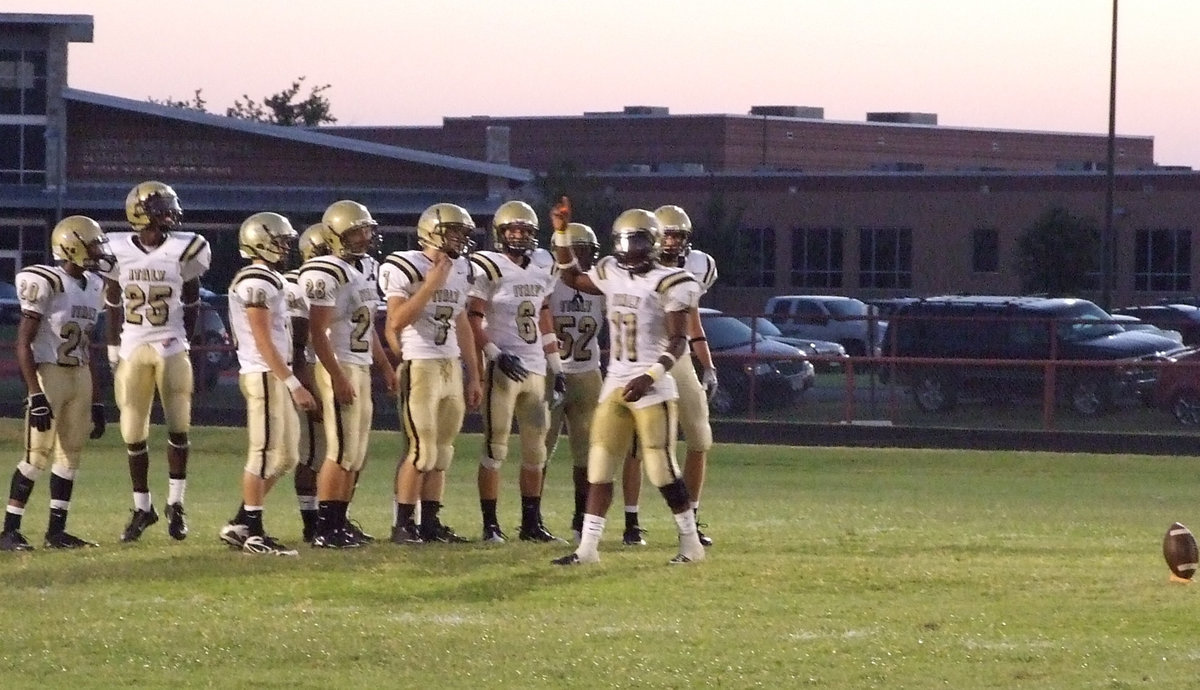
708,379
40,415
511,366
557,393
98,421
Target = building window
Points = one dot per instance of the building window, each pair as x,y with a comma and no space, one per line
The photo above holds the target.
1162,260
22,82
755,258
22,154
885,258
817,257
985,250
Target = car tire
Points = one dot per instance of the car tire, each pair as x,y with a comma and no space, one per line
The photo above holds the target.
1090,396
1185,406
934,391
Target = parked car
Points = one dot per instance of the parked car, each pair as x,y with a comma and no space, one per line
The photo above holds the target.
212,351
1184,318
1021,328
824,355
1178,388
1133,323
844,320
780,373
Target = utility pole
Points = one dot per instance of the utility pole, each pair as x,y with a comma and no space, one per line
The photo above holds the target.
1108,242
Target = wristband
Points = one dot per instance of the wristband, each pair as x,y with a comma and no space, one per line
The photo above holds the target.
656,371
491,351
114,353
292,383
697,339
550,339
669,356
573,263
554,363
561,239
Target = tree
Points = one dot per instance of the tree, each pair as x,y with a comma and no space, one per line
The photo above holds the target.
279,109
718,231
590,203
1058,254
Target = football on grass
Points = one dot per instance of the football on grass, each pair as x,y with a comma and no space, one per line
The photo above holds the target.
1179,548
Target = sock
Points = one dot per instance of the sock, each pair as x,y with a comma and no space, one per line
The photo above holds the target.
405,513
631,518
12,518
22,484
488,507
343,512
429,514
531,509
325,517
240,517
141,501
689,539
252,519
589,541
176,487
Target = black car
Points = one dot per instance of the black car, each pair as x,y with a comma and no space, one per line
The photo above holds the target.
780,373
1001,332
824,355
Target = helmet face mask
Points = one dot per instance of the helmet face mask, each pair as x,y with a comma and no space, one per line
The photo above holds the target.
153,206
514,228
269,237
349,229
78,240
637,240
446,228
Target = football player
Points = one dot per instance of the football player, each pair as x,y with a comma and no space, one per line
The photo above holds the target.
153,297
577,319
312,434
647,307
427,329
59,308
509,313
694,391
341,294
262,328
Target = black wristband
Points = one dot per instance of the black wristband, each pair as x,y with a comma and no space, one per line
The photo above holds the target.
698,339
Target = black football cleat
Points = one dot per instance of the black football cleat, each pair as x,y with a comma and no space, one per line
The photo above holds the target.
64,540
705,540
14,541
633,537
139,521
176,521
267,546
337,539
538,533
442,534
406,534
493,535
574,558
234,535
356,531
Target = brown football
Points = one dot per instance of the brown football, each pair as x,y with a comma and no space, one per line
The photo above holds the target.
1179,548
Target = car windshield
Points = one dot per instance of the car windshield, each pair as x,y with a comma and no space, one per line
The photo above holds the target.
724,332
1085,321
765,328
846,308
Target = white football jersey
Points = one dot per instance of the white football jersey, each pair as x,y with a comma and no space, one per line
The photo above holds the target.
330,281
434,334
702,266
577,320
636,307
255,287
151,281
297,306
69,308
514,292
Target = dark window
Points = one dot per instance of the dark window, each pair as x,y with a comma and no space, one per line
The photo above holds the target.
1163,260
817,257
885,258
22,82
985,250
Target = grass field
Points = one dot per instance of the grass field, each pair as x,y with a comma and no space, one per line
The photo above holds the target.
833,568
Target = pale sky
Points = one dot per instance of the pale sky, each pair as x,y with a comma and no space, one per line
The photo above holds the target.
1006,64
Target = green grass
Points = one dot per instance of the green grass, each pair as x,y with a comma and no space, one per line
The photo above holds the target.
833,568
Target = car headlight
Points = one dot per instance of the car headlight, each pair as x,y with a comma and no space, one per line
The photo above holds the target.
759,368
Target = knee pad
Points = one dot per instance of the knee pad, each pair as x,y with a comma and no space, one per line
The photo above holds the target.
533,465
178,440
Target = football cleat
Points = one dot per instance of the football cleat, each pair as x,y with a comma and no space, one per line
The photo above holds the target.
14,541
138,522
705,540
442,534
176,522
63,540
538,533
574,558
337,539
356,531
234,535
266,545
493,535
406,534
633,537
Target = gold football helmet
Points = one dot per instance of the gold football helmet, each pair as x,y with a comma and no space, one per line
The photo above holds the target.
79,240
584,244
267,236
447,227
153,204
349,229
637,240
677,232
519,216
312,242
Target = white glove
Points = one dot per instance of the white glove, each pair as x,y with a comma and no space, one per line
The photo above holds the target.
114,356
708,379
